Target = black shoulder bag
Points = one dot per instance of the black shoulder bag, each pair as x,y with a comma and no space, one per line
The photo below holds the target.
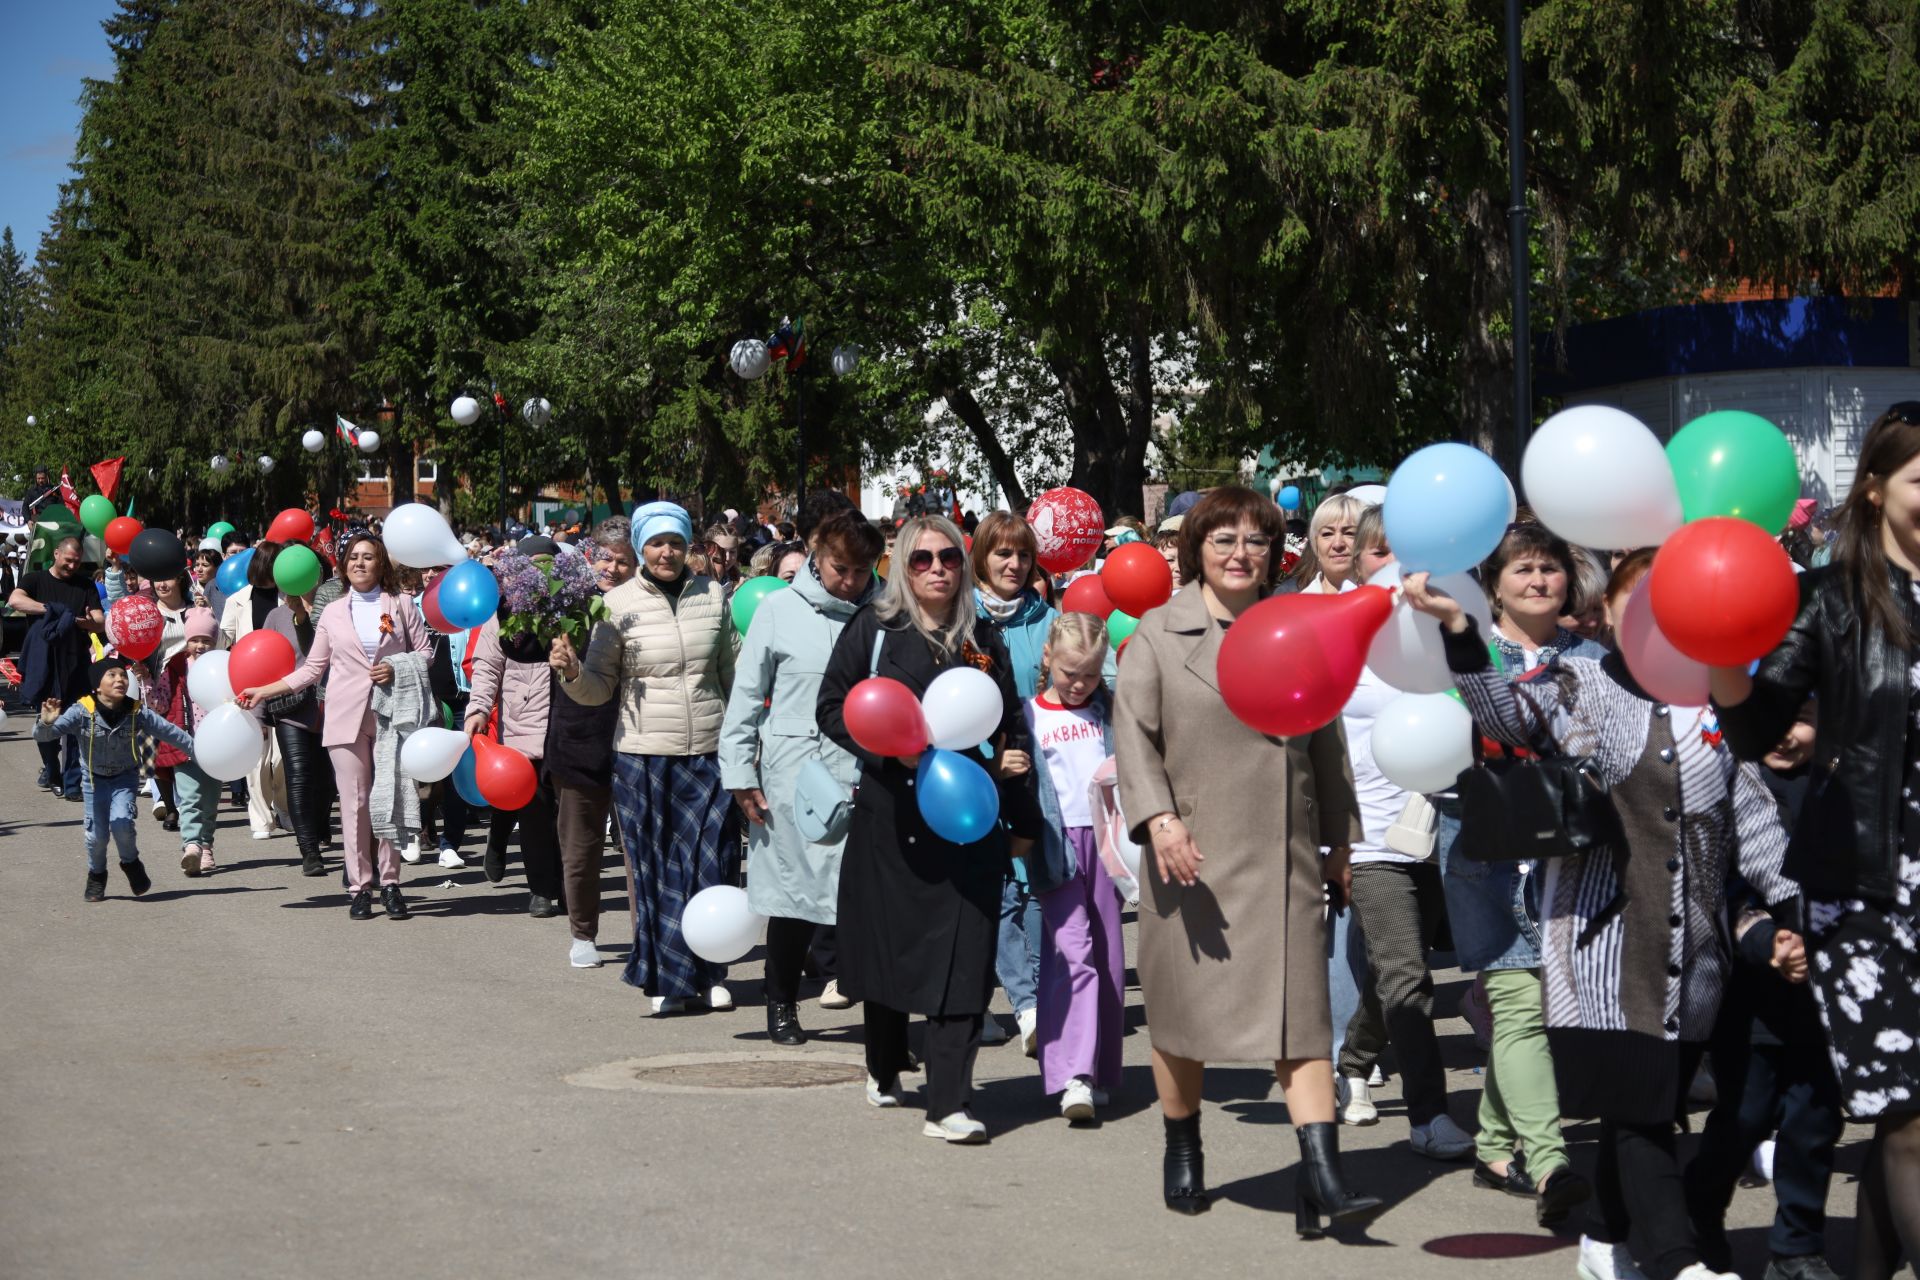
1547,805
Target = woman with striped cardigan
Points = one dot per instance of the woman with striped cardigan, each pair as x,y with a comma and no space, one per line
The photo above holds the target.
1635,948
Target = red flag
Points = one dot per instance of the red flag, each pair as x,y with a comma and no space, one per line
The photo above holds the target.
67,494
107,475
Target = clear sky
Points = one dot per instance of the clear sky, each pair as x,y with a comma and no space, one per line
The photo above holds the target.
46,48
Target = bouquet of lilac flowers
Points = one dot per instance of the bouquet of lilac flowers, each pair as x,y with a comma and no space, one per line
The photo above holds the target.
548,597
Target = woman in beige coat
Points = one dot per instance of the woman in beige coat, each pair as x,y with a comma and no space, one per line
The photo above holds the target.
1233,951
667,654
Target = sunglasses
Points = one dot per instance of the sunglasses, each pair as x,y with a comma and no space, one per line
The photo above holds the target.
950,558
1907,411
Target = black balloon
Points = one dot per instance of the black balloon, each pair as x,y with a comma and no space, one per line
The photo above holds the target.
156,553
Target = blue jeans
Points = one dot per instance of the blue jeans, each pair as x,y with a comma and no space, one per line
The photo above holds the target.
110,806
69,777
1017,960
1346,971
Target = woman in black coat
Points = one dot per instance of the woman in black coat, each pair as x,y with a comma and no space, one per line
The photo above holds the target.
918,915
1855,648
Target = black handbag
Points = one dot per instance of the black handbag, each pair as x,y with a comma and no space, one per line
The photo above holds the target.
1547,805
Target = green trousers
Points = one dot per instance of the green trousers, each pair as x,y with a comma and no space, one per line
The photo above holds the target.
1520,1106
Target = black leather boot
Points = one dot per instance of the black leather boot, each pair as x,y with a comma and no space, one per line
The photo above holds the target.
96,886
783,1023
396,906
137,878
1319,1189
1184,1170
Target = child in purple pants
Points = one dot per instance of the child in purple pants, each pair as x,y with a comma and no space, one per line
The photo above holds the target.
1083,959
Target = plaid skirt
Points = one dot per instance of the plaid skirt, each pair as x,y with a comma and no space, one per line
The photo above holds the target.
677,829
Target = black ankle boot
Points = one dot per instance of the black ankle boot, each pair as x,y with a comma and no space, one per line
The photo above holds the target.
1184,1170
96,886
1319,1189
137,878
783,1023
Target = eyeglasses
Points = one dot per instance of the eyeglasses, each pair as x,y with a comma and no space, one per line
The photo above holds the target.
1225,544
950,558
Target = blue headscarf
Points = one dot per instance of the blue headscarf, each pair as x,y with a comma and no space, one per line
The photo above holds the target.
656,518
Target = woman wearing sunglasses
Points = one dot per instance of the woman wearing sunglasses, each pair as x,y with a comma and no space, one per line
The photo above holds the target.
1856,848
919,915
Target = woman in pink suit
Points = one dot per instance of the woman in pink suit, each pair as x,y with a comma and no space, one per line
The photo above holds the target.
354,643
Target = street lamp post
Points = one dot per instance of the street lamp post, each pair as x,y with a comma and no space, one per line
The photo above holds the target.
537,412
750,359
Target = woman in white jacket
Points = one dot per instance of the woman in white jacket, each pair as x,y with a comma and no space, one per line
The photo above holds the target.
668,656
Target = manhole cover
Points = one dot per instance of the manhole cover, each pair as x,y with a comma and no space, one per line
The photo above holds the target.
682,1073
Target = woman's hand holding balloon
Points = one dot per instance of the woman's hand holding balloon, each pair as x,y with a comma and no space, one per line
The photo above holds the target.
1421,596
1014,764
1174,851
476,723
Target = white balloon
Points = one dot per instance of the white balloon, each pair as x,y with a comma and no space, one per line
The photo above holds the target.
962,707
1597,477
264,462
465,410
369,441
1422,741
313,441
429,754
32,421
719,926
228,743
846,359
417,536
1371,495
1408,652
537,411
207,681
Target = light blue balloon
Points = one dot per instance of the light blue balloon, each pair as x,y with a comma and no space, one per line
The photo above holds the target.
469,595
1290,498
232,573
466,782
957,798
1447,508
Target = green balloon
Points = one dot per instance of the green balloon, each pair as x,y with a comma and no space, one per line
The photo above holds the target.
96,512
1120,626
296,570
220,530
747,597
1734,463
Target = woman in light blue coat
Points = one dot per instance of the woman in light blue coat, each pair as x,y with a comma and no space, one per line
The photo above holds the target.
791,782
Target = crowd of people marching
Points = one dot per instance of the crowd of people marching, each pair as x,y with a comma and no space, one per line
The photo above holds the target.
1750,897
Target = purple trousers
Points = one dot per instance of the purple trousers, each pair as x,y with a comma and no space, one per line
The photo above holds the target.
1083,974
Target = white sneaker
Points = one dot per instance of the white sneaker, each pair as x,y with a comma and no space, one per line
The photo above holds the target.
451,859
1606,1262
991,1032
263,835
1701,1271
584,955
1354,1103
878,1097
668,1004
409,855
1028,1020
1077,1102
830,997
957,1128
1441,1139
1762,1164
719,999
1376,1077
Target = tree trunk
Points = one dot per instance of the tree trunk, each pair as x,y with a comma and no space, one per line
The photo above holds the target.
1486,364
1110,430
968,410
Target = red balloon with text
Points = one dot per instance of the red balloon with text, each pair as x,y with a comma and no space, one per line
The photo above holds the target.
1289,664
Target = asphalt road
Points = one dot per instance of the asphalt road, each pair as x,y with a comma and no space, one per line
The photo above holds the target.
230,1078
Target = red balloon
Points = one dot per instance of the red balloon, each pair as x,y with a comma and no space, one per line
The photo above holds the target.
885,718
121,531
1137,578
1087,595
1290,663
134,625
506,776
1121,652
291,525
1068,526
430,606
260,657
1723,591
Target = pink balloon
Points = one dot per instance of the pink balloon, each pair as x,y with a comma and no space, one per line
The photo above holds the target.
1662,670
